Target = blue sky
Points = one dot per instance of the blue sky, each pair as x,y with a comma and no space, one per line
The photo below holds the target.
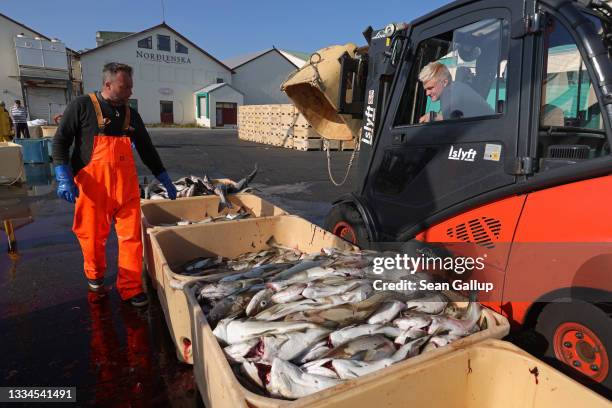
224,28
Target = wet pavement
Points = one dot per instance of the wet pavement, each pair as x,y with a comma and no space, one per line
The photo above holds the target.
56,334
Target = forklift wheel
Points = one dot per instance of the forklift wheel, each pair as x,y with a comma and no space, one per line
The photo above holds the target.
345,221
579,334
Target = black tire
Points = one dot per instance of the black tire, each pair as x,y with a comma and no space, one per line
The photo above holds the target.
348,215
554,315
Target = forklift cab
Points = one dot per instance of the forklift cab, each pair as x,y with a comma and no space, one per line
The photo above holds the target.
538,79
527,175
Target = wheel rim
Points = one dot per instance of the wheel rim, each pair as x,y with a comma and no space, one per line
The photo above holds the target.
579,347
345,231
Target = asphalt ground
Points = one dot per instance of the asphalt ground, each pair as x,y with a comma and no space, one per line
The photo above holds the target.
56,334
294,180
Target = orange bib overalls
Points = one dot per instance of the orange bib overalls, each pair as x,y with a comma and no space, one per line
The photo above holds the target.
109,191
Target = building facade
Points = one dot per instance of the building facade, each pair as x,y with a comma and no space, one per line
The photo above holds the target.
259,76
37,70
168,71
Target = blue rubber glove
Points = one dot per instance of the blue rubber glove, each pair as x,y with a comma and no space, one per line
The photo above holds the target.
165,180
66,188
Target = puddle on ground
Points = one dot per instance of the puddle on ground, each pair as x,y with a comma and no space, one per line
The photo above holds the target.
55,333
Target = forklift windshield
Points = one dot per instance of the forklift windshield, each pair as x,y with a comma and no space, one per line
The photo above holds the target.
474,59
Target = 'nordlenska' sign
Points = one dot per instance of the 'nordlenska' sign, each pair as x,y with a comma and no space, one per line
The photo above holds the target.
168,59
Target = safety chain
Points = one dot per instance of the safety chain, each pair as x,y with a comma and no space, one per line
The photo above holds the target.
350,163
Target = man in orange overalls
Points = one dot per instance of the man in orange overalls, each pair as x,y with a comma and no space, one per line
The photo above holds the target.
105,188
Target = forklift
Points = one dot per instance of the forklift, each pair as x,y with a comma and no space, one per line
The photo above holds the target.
526,179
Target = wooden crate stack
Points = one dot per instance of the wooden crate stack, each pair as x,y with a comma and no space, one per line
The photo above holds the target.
280,125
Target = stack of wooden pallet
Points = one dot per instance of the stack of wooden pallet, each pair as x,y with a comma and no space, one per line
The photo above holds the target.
282,126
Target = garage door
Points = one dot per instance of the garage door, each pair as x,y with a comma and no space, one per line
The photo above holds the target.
41,100
227,113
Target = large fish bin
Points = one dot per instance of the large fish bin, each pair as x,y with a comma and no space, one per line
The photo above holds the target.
11,164
173,247
491,373
158,214
220,388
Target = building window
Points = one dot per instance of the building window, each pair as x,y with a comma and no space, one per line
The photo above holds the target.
163,42
180,48
146,43
133,104
220,80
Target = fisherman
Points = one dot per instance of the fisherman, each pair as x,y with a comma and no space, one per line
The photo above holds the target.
457,100
102,128
6,124
19,114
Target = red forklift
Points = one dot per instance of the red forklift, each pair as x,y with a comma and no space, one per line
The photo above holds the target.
528,179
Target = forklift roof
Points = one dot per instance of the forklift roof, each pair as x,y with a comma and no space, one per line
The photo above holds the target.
459,3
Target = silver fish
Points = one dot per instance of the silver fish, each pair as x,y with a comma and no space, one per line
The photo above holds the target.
348,369
301,277
288,381
434,304
314,352
231,306
236,187
346,314
281,310
259,302
223,289
366,348
293,344
412,321
318,369
290,294
387,312
443,340
318,290
221,191
252,372
240,330
351,332
255,272
458,327
409,335
302,266
352,272
236,352
269,347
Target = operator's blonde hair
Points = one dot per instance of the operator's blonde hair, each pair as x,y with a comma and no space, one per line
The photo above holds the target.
434,70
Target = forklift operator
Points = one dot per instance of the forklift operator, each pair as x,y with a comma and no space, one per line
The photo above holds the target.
457,100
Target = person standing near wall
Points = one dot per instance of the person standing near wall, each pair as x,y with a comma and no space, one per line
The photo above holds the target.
20,119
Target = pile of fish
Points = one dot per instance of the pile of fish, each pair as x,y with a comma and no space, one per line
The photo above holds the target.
295,324
195,186
251,264
238,215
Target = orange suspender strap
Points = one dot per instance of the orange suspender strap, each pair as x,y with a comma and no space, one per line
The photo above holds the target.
100,118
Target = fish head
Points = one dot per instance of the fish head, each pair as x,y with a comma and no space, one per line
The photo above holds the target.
259,302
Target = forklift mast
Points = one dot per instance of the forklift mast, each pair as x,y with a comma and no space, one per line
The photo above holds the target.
366,80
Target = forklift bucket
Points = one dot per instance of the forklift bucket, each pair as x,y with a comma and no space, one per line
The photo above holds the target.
314,89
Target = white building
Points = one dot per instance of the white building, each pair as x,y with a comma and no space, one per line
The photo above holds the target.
38,70
259,75
216,105
171,74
